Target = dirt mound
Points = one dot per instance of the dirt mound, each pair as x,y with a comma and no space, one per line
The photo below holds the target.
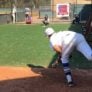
26,79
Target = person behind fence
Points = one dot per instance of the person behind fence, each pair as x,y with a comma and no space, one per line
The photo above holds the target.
14,10
27,11
46,20
28,17
63,43
76,19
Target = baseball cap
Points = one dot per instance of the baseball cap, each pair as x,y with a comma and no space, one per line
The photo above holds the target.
49,31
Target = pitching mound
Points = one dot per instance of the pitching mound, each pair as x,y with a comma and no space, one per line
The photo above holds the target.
26,79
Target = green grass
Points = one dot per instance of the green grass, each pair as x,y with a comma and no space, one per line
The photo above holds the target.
21,45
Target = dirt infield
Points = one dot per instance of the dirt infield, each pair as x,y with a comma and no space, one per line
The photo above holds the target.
26,79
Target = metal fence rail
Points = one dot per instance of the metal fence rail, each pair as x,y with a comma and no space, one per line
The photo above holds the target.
81,10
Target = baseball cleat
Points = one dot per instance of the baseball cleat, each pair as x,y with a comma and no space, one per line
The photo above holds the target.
70,84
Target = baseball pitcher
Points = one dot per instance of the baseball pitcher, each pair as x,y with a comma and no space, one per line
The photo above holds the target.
63,43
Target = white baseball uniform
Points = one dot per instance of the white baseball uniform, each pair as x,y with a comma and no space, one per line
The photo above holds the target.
69,40
14,14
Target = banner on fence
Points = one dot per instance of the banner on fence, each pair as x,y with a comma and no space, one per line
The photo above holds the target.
62,10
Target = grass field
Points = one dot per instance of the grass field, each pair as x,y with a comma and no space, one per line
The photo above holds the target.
21,45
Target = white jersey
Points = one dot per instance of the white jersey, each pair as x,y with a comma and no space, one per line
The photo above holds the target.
62,38
68,40
14,10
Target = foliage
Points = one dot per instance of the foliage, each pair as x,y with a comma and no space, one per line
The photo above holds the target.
22,3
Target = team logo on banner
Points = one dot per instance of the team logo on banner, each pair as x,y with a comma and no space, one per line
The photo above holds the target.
62,10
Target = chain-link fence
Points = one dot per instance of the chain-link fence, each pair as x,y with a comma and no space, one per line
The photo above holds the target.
80,10
6,7
40,9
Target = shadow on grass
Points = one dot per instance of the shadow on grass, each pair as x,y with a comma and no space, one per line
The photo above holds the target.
34,66
54,62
